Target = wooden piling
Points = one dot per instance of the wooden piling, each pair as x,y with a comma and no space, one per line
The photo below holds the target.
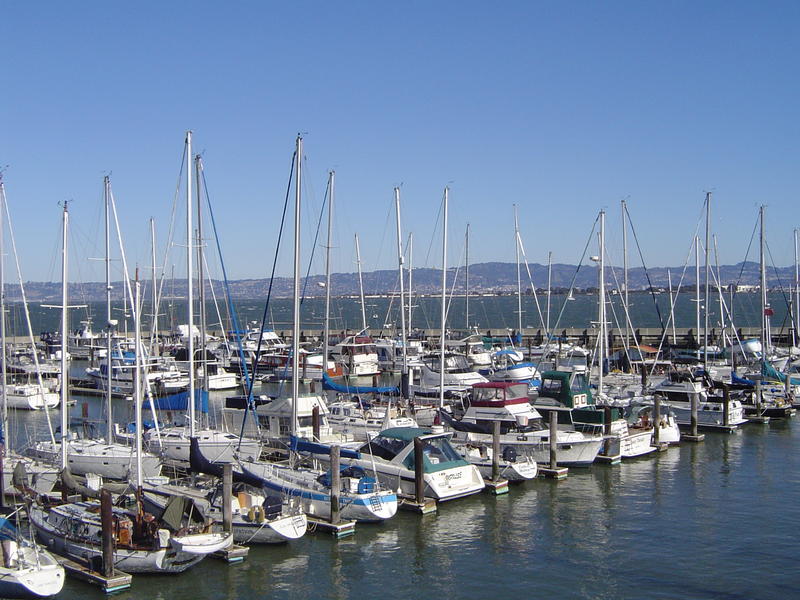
553,471
107,525
419,471
227,495
315,422
657,420
336,484
495,450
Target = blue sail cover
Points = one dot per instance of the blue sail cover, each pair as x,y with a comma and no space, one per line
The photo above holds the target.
299,445
7,530
330,384
735,379
180,401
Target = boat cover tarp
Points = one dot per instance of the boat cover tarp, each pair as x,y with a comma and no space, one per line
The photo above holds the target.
461,425
770,372
330,384
736,380
180,401
198,463
299,445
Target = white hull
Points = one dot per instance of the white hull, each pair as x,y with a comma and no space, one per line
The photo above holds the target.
315,499
112,461
30,397
217,446
277,531
32,573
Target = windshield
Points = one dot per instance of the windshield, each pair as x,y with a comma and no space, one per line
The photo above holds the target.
438,455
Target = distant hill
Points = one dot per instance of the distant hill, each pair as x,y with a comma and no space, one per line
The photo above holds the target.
483,278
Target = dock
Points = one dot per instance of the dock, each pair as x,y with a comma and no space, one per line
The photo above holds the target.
558,473
426,507
118,582
232,554
340,530
498,488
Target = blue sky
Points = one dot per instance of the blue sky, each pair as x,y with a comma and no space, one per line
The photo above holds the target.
561,108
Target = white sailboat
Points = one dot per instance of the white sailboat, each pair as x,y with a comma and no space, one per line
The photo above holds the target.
99,456
361,498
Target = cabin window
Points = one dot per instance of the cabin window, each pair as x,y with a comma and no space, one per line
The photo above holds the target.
385,448
551,387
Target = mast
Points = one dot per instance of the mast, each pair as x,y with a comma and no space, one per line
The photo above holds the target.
519,273
201,275
189,281
296,291
154,293
64,329
326,338
625,271
109,322
705,312
137,380
466,277
444,299
672,309
361,287
601,293
402,289
549,290
765,335
3,371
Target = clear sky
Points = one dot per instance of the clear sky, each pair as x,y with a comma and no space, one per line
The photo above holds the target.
561,108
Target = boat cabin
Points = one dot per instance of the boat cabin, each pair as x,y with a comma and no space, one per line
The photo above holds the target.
397,445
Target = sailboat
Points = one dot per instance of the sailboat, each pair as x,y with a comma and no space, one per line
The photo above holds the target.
98,456
173,442
361,497
170,542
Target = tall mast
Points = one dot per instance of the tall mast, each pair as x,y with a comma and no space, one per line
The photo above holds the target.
154,292
361,287
3,372
705,312
519,272
549,290
444,299
625,271
64,329
296,291
402,288
601,294
326,334
109,326
201,275
137,380
765,335
466,278
189,280
697,288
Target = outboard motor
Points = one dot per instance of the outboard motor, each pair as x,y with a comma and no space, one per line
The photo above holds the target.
509,454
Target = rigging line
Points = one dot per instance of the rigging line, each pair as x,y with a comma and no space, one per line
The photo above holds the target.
646,272
626,312
435,226
168,245
746,254
265,314
247,378
571,287
530,278
664,334
780,284
314,244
